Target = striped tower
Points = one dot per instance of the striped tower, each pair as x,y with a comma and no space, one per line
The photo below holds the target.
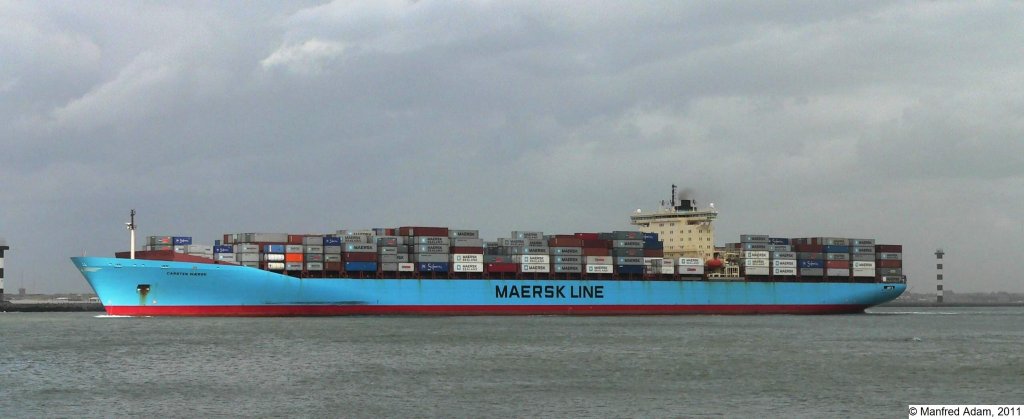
938,276
3,247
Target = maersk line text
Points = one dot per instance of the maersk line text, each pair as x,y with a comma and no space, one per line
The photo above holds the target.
549,291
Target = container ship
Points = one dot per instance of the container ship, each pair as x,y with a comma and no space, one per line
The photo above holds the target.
415,270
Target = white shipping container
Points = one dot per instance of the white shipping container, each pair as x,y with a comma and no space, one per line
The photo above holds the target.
406,267
275,266
691,270
468,267
756,254
863,265
314,266
599,260
293,266
653,261
294,248
468,258
528,235
314,249
466,234
199,248
464,242
755,263
690,262
862,272
784,263
247,248
247,257
332,258
535,267
600,269
784,271
226,257
668,269
758,271
273,257
545,259
837,272
181,249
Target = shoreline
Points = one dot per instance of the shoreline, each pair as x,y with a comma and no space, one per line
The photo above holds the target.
49,307
954,304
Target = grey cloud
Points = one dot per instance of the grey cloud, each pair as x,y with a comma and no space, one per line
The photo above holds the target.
862,119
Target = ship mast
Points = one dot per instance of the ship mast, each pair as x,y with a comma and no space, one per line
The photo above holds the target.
131,229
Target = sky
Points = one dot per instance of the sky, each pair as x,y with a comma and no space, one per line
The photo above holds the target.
899,121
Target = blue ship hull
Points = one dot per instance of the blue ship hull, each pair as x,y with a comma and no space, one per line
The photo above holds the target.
151,288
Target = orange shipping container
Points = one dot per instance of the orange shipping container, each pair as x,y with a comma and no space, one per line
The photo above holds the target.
293,257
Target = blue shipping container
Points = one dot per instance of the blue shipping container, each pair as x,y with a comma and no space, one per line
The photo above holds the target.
650,236
273,248
332,241
361,266
809,263
629,269
778,240
836,249
656,245
182,241
432,267
223,249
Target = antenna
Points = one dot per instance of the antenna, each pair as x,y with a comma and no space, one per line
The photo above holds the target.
673,195
131,229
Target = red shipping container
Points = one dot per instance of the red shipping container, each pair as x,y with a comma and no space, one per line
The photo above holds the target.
654,253
808,248
588,236
332,266
360,257
565,242
502,267
888,263
837,264
423,231
889,248
597,251
467,250
294,239
597,243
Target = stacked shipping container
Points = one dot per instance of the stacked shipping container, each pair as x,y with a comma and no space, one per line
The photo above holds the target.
462,253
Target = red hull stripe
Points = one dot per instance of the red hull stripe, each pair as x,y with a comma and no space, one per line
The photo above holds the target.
479,310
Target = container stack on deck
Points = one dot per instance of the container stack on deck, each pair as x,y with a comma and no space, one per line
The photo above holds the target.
889,262
440,251
818,259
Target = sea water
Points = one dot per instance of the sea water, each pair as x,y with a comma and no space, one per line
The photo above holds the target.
867,365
